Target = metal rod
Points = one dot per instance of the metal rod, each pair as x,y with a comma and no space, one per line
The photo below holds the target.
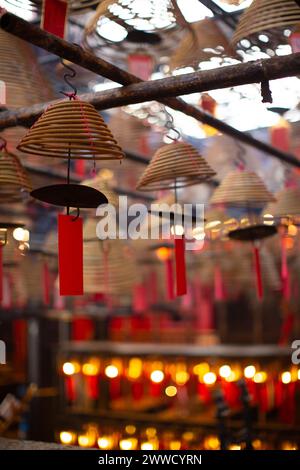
251,72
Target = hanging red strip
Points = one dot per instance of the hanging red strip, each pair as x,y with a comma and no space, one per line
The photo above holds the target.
54,17
181,286
219,292
1,273
70,255
259,285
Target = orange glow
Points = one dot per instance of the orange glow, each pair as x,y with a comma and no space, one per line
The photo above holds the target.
163,253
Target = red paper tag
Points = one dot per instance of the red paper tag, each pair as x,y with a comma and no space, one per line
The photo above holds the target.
54,17
1,273
70,255
2,93
180,266
294,41
140,65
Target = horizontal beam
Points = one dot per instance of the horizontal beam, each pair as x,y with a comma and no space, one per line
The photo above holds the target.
138,91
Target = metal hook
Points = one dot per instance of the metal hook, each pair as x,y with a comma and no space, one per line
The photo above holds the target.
170,126
67,76
77,215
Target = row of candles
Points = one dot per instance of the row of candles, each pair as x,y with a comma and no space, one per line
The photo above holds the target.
151,438
86,382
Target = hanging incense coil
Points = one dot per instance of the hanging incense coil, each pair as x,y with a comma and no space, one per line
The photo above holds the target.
148,27
71,129
242,188
178,161
102,184
25,82
208,41
14,181
269,17
108,266
287,204
32,268
11,254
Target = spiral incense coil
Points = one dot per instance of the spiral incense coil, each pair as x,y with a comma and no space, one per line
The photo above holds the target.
108,266
267,16
287,204
242,188
13,178
71,129
208,41
178,162
150,27
25,83
115,10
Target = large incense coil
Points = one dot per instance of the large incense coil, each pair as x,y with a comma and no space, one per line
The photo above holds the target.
177,164
71,129
102,184
14,181
207,41
25,83
242,188
287,204
267,16
149,27
10,252
32,267
133,134
112,9
108,266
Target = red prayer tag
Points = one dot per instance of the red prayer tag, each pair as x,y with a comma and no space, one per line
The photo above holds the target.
180,266
54,17
70,255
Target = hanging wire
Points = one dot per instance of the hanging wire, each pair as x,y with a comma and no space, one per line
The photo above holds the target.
239,160
67,76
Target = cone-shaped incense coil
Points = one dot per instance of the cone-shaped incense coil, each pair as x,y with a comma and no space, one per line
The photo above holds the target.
101,183
208,41
134,11
265,15
71,129
287,203
179,162
13,178
242,188
108,266
25,83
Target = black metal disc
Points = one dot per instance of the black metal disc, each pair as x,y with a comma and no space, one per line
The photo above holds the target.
278,110
70,195
11,225
139,37
250,234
